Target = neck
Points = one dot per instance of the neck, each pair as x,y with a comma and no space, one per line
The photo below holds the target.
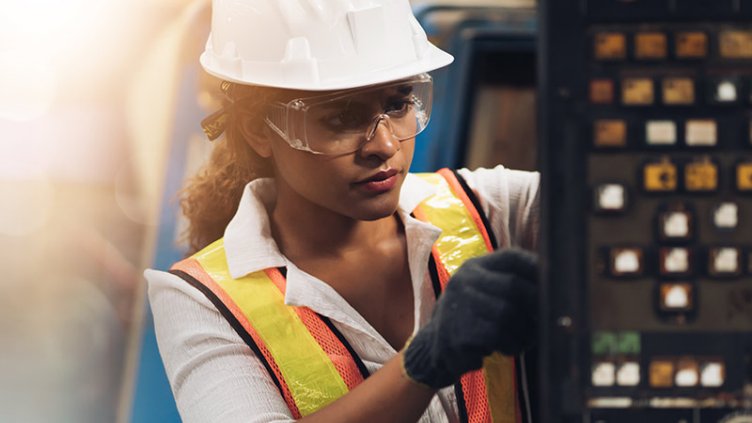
304,229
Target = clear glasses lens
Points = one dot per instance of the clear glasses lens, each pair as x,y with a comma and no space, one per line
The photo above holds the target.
342,123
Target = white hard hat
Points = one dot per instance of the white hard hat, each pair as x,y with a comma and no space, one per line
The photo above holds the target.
317,45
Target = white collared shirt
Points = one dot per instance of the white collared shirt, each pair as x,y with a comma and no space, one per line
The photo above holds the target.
216,377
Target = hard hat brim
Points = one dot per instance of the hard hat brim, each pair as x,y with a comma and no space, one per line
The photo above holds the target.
433,58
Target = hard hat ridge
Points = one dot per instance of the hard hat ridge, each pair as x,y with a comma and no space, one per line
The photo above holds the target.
317,44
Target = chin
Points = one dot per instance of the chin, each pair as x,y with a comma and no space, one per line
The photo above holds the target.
371,212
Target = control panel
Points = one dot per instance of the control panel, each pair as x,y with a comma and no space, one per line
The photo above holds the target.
646,141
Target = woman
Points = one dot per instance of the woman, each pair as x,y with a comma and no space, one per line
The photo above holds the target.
325,256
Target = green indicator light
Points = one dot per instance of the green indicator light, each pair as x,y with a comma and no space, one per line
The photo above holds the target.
604,343
629,343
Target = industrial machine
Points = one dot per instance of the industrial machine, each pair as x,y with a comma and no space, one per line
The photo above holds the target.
646,144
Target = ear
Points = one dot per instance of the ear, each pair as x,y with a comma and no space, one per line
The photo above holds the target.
258,138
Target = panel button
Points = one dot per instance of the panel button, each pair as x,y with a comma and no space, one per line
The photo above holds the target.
650,46
726,216
735,44
744,176
660,176
601,91
604,374
628,374
724,261
691,45
687,373
610,46
723,90
610,198
660,132
701,175
701,133
676,297
678,91
637,92
626,262
661,373
712,374
610,133
675,261
676,223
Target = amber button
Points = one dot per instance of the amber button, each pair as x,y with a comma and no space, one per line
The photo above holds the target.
637,92
701,175
610,133
736,44
691,45
661,374
678,91
601,91
610,46
650,46
744,176
660,176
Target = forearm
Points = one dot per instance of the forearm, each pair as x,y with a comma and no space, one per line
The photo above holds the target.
386,396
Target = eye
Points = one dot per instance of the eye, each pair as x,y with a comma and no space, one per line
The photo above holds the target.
348,118
399,107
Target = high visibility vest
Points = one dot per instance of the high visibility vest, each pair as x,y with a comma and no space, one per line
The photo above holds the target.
309,360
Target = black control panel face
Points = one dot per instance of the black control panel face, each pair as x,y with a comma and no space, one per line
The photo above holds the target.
646,139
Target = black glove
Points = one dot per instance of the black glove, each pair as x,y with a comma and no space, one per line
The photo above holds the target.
489,305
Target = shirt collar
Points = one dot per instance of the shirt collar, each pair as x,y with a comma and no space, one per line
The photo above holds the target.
249,245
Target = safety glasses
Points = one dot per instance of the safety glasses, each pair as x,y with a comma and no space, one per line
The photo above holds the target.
341,123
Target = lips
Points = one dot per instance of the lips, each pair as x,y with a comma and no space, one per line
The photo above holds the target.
380,182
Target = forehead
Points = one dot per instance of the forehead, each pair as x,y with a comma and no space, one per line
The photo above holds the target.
401,87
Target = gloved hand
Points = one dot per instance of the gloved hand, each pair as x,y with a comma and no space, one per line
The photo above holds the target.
489,305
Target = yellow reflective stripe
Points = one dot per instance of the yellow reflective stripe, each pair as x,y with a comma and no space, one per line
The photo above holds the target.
460,239
500,389
310,375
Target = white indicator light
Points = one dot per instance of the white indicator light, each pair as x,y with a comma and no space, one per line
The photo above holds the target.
687,377
701,133
627,261
676,260
712,374
611,197
628,374
726,216
676,297
603,374
726,260
676,225
726,92
661,132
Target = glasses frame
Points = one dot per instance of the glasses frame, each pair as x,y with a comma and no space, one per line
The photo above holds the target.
286,112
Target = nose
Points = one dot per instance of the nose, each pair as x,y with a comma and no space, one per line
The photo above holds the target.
380,141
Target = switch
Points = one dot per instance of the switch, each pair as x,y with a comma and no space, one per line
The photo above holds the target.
626,261
675,261
723,90
660,176
675,225
701,175
628,374
661,373
660,132
637,92
712,374
603,374
744,176
726,216
724,261
610,46
610,198
691,45
678,91
676,296
735,44
687,373
701,133
610,133
601,91
650,46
